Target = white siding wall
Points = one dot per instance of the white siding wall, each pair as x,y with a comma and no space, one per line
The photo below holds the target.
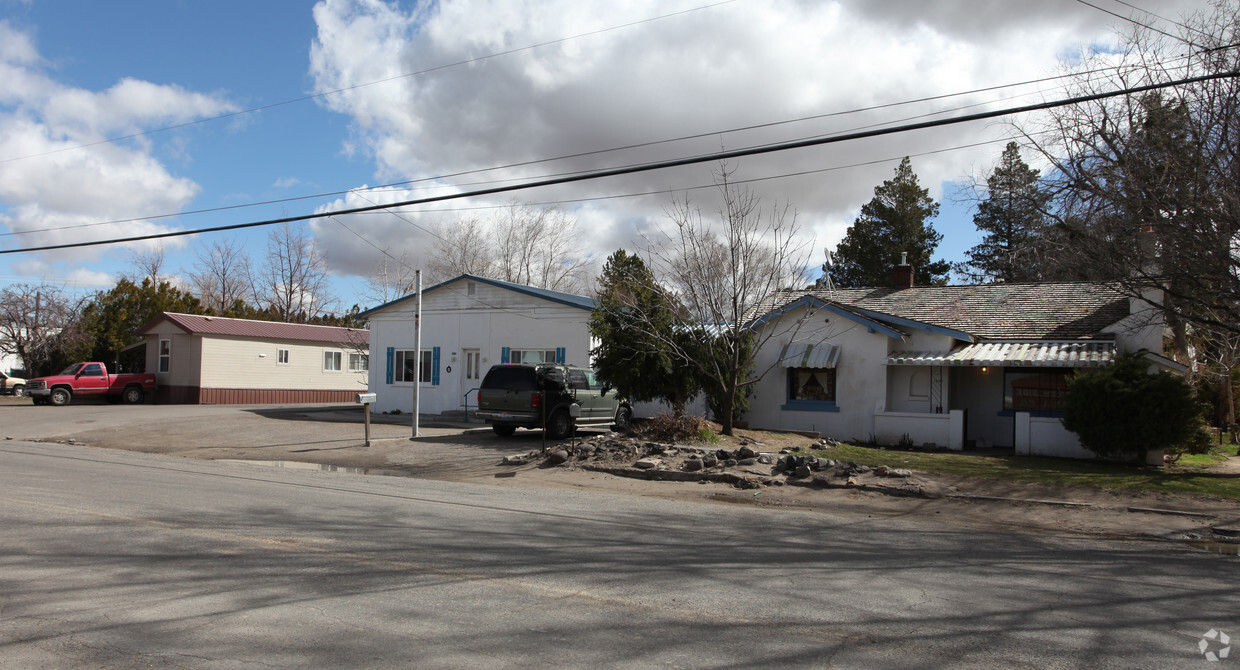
232,362
860,387
490,320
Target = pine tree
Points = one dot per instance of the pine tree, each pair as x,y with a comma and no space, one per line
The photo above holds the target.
1013,218
896,220
635,324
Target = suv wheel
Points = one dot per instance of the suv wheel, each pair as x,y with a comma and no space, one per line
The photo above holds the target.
503,431
624,418
559,425
19,391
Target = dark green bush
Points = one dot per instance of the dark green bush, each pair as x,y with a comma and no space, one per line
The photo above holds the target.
1121,411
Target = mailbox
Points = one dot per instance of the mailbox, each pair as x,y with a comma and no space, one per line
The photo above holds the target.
366,398
574,410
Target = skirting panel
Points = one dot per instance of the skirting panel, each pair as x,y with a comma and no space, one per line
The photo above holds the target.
193,395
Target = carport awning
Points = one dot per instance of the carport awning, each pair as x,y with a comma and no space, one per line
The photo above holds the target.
1041,354
804,355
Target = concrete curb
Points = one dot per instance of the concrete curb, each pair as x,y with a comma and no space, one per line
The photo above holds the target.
1172,512
1057,503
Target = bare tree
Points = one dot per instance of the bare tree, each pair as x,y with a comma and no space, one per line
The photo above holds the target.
1147,187
221,275
147,264
720,270
464,246
392,278
37,323
293,280
521,243
539,247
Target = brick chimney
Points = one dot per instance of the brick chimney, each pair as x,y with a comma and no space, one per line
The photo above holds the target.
902,275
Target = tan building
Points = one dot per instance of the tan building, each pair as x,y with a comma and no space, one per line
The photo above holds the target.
211,360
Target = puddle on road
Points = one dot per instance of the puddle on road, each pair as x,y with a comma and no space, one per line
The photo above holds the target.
317,467
1226,548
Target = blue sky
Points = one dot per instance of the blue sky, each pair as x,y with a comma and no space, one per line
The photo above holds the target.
75,73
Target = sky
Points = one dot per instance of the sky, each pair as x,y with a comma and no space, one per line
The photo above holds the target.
132,118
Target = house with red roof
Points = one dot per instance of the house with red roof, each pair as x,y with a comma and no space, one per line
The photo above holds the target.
219,361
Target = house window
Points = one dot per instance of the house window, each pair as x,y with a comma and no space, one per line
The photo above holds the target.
530,356
811,384
1035,390
359,362
331,361
165,355
473,361
405,366
282,357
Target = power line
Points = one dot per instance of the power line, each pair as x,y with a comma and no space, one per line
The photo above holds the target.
345,89
660,165
392,185
1163,18
1138,23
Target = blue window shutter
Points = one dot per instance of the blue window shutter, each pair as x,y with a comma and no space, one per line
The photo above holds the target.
391,363
559,355
435,366
503,355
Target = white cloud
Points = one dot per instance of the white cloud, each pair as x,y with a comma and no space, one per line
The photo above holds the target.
287,182
61,174
723,67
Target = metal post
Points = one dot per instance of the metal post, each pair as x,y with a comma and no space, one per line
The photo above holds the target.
417,349
368,424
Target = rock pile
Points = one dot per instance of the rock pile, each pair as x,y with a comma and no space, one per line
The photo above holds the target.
745,467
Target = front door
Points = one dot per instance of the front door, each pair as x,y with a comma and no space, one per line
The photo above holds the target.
472,377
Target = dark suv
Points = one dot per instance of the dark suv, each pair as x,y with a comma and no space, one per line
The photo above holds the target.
523,396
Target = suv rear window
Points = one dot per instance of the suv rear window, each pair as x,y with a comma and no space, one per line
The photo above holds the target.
511,378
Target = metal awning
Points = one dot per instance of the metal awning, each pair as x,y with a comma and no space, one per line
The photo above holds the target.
1042,353
805,355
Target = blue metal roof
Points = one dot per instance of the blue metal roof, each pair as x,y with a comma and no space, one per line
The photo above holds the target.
569,299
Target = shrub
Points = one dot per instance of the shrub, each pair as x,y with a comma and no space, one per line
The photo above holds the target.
1122,411
671,428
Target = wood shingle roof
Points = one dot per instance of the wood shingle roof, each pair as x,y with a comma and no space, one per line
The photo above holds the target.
1016,311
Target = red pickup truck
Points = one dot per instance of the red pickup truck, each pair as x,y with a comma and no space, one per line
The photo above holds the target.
89,379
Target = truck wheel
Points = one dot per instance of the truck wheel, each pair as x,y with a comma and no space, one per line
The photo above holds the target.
60,397
624,418
559,425
503,431
19,391
132,395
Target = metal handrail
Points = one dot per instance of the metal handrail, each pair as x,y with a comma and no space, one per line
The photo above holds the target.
466,395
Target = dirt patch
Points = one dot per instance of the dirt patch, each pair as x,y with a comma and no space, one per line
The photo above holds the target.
604,462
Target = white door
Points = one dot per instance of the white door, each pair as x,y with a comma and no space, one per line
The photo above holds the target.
472,378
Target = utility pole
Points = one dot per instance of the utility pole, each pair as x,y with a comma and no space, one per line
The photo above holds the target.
417,348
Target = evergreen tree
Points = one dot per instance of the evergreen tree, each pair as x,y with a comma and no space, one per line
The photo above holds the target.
634,324
896,220
1013,220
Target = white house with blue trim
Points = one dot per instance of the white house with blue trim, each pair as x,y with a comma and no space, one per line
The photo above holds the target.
469,324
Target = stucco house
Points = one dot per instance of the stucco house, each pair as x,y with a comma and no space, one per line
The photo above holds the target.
469,324
953,366
218,361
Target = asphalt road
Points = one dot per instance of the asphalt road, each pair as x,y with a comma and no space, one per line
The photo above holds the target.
112,559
